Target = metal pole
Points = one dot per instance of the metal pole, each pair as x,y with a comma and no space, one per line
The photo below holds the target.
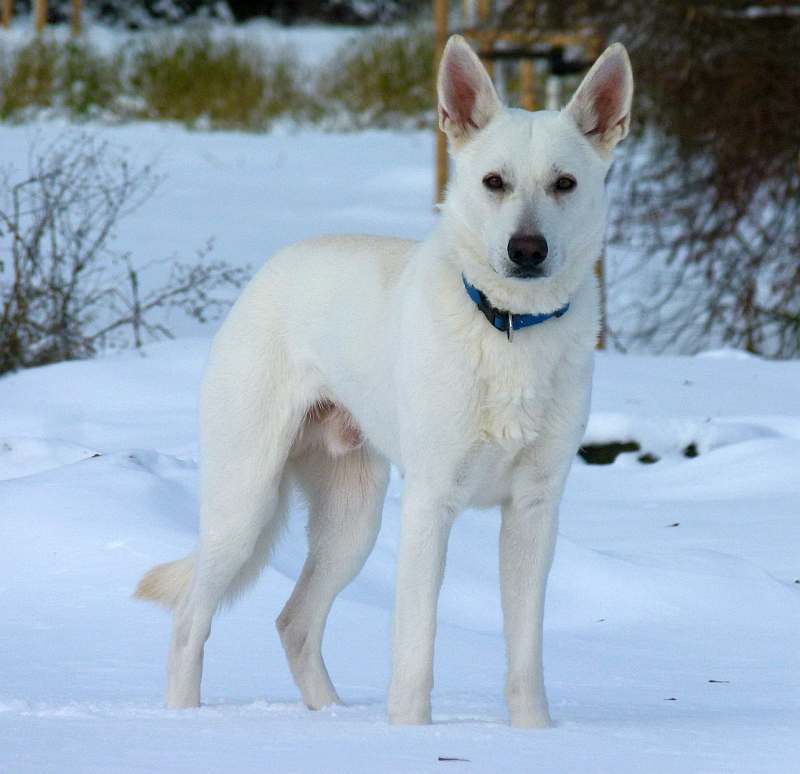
440,14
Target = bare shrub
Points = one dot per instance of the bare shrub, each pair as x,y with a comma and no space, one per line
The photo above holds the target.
716,203
703,270
707,211
65,293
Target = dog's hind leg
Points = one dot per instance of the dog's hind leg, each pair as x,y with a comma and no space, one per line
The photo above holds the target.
251,412
345,495
225,564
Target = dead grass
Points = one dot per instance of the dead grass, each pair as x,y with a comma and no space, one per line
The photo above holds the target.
383,79
221,84
71,77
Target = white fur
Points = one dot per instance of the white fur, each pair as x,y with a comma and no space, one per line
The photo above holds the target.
346,353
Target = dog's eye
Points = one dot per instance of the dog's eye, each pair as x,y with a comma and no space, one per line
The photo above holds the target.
565,183
494,182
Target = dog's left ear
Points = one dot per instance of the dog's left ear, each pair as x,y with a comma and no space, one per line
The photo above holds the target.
601,107
467,98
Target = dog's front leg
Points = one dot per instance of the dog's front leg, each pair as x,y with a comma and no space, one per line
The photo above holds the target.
527,543
527,539
424,532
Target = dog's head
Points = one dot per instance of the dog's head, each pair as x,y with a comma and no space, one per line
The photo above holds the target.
527,196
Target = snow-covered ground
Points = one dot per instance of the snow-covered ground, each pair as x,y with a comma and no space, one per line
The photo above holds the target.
672,625
673,615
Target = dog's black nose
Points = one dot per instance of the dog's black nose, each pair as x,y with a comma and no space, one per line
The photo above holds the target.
527,250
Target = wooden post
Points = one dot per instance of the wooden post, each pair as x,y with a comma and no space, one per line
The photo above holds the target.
484,11
527,84
485,8
600,273
8,12
467,13
75,18
40,13
440,14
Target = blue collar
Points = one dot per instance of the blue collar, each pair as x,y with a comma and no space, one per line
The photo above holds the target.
503,320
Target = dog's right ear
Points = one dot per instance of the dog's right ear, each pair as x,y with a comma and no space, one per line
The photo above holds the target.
467,98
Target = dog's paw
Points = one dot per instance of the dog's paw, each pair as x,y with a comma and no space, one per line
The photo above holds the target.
320,696
410,718
410,714
182,702
531,718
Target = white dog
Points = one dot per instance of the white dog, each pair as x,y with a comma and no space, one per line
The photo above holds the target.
465,360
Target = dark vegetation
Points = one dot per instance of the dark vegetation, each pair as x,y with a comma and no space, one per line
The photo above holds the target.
139,14
712,184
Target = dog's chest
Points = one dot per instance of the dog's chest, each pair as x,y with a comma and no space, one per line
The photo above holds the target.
513,396
514,401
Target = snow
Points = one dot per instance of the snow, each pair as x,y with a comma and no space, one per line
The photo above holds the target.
673,612
99,471
313,44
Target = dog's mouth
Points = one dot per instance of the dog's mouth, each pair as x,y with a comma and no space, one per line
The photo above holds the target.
528,272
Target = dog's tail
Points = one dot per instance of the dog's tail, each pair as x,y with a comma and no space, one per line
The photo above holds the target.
166,584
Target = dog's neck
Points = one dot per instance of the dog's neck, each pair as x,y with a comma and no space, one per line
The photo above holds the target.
505,321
